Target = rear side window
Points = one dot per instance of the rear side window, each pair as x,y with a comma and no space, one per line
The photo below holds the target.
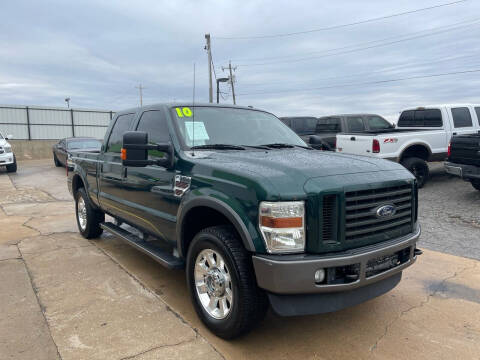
328,125
420,118
286,121
122,125
477,111
305,125
154,124
461,117
375,122
355,124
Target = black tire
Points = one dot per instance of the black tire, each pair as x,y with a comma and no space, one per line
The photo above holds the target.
11,168
419,168
93,217
56,161
249,303
475,183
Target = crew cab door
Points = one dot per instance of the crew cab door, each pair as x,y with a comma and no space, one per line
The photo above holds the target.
111,173
149,190
462,120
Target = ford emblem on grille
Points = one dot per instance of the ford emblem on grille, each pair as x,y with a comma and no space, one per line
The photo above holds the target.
385,211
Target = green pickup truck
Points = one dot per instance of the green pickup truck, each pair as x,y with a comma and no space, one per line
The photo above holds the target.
253,214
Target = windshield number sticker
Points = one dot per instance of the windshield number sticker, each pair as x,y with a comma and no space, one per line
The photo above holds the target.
186,111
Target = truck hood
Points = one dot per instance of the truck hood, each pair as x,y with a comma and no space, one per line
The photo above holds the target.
289,169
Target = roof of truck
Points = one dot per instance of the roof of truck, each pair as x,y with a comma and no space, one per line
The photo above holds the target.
183,104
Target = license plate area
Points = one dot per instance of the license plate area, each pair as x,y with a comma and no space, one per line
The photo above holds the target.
384,263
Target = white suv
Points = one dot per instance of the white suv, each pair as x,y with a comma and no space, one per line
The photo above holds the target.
7,157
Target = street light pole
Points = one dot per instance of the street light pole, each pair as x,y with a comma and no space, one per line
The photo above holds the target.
219,80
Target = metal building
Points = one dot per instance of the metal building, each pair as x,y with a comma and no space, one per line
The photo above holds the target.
44,123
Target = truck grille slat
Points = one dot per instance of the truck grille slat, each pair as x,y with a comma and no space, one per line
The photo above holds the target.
361,220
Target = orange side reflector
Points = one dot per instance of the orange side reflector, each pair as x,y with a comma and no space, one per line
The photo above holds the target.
123,155
281,222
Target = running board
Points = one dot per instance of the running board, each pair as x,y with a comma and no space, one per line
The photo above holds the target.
161,256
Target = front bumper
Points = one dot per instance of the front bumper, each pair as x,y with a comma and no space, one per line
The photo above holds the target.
294,274
6,159
464,171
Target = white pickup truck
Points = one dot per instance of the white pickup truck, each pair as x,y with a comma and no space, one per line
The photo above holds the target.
7,158
422,134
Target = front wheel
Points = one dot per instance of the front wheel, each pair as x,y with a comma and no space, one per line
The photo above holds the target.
475,183
11,168
419,168
56,161
88,219
221,282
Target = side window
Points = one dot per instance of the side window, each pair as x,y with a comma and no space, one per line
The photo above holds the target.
461,117
122,125
328,125
286,122
355,124
155,125
477,111
420,118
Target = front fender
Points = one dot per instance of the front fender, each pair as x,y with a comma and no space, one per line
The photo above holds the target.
232,209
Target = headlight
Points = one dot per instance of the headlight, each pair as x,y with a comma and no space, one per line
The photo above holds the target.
70,162
282,225
8,149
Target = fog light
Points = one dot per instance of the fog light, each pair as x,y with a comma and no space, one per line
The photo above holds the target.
319,276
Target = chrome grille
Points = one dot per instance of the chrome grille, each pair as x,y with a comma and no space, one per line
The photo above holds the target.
360,212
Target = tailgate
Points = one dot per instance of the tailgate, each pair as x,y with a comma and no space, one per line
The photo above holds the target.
465,150
354,144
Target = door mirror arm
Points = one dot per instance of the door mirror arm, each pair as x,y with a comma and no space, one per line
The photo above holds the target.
135,151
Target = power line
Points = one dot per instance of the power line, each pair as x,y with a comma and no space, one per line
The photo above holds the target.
362,83
338,26
451,27
386,69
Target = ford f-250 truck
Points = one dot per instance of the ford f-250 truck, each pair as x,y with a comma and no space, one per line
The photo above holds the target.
254,215
422,135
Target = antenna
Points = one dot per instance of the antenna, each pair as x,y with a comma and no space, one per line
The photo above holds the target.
193,110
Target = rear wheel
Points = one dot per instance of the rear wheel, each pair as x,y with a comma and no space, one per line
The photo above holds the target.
88,219
222,284
475,183
419,168
11,168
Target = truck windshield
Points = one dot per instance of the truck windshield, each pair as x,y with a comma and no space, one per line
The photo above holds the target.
231,126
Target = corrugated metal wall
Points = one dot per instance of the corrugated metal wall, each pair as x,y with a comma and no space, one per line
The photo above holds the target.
42,123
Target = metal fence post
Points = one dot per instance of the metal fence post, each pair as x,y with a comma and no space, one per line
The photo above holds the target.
73,125
28,123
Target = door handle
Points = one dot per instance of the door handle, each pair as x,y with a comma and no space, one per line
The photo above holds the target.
352,138
454,133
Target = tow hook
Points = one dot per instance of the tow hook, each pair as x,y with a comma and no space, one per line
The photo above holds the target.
417,252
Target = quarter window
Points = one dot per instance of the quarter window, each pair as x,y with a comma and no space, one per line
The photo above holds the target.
328,125
154,124
122,125
461,117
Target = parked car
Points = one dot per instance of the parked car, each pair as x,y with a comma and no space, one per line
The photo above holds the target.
63,150
322,132
422,135
464,158
7,157
252,213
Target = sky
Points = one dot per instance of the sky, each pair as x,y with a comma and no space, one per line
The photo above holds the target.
97,52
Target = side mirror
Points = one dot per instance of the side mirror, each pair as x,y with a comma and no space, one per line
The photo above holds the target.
318,143
135,151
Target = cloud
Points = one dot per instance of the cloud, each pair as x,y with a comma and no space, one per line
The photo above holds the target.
97,52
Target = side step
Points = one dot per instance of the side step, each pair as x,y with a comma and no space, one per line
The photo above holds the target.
159,255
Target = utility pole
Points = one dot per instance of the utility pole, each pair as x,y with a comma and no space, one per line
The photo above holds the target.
140,90
231,79
209,53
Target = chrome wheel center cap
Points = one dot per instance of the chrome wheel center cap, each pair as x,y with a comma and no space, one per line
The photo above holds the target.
215,282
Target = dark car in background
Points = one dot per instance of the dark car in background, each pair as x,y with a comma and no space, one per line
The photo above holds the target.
63,150
321,132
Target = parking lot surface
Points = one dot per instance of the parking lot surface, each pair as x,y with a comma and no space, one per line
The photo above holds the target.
64,297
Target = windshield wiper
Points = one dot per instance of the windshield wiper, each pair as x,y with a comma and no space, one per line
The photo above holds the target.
218,147
284,146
